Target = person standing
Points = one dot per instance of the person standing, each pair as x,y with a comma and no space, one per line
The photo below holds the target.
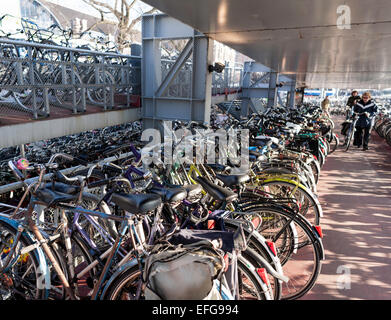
351,103
367,109
326,106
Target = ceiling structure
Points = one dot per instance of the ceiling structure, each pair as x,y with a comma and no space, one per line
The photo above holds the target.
300,37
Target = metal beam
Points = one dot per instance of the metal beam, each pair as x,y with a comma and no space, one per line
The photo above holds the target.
195,106
172,73
272,92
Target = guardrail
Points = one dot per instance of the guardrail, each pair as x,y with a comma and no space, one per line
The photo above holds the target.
35,77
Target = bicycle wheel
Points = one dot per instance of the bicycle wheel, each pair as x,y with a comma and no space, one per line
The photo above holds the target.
300,251
82,281
23,280
254,243
307,202
70,95
99,95
125,286
349,138
335,144
250,285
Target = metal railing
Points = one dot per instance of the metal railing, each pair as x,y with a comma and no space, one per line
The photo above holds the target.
36,77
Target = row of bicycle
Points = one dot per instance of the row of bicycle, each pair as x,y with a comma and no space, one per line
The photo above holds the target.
383,124
91,146
129,229
71,76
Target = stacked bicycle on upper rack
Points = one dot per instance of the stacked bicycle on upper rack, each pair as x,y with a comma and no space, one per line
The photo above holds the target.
129,230
39,68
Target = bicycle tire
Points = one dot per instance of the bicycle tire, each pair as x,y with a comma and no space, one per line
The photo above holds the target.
34,281
305,204
302,225
254,244
259,290
349,138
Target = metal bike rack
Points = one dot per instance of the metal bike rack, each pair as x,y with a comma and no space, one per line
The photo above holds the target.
32,82
18,185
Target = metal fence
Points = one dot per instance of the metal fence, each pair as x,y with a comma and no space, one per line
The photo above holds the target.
34,78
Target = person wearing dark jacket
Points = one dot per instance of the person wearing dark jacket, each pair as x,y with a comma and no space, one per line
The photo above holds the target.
353,98
367,109
351,102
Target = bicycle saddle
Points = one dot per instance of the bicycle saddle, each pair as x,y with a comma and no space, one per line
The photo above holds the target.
217,192
136,203
51,198
62,188
233,180
170,194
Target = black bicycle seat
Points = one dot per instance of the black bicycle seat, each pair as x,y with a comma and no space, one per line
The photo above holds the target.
51,198
137,203
62,187
170,194
217,192
233,180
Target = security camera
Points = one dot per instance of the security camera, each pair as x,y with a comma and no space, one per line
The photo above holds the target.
218,67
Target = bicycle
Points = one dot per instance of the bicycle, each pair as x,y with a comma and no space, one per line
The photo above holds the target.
352,129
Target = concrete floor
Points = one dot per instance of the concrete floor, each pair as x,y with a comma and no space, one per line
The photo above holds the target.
355,192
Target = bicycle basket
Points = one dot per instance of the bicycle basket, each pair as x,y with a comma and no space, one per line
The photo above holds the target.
182,272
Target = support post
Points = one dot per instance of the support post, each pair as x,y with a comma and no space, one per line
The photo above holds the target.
198,51
272,93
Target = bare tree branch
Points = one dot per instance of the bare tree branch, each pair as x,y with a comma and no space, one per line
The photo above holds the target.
98,23
95,4
122,11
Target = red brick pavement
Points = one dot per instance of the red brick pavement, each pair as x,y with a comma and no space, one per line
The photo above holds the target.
355,192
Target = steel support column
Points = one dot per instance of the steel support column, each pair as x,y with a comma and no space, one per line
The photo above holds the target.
272,92
291,95
158,106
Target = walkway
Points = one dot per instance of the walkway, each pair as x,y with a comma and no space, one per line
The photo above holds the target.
355,192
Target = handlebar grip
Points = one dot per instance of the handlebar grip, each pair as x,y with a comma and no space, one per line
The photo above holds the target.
111,169
99,183
66,156
72,158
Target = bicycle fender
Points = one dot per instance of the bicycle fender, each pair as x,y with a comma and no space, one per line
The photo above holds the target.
286,180
319,244
300,186
262,240
295,237
43,269
130,264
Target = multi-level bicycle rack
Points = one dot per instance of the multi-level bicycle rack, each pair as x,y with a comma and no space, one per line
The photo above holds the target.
34,77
